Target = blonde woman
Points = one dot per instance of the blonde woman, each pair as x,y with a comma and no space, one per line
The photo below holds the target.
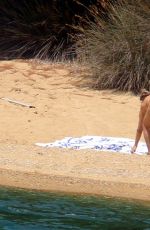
144,121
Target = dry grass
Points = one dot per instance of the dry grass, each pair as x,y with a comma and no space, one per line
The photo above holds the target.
118,51
42,29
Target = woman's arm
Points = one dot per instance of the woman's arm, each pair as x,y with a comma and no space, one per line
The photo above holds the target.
139,131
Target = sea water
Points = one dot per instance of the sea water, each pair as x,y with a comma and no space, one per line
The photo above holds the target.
27,210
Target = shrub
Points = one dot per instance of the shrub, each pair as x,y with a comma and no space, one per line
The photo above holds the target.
42,28
118,50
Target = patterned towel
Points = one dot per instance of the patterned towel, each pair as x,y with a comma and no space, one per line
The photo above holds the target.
111,144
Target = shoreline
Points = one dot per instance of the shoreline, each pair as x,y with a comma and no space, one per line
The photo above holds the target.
70,171
74,185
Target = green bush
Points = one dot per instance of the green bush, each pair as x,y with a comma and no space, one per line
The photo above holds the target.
118,50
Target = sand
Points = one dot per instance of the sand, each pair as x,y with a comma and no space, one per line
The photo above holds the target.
65,105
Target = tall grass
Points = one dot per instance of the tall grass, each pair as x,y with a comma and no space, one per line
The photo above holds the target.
42,28
30,28
118,50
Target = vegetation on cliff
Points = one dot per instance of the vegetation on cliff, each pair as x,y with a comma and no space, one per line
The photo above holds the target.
118,50
43,28
111,36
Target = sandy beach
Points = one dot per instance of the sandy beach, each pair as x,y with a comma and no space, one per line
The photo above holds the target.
64,105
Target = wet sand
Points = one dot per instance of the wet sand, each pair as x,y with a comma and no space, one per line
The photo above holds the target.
85,172
66,106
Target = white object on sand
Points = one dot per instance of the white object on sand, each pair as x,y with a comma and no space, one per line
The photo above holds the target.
99,143
17,102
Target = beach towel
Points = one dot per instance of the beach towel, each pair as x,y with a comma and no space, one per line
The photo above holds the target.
99,143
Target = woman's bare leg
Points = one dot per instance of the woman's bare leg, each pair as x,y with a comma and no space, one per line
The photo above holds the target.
146,134
146,128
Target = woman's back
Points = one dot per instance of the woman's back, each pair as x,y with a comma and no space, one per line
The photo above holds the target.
145,103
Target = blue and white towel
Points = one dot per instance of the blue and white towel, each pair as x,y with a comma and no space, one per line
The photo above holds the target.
111,144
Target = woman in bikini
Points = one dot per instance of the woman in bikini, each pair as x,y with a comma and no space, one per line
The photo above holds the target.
144,121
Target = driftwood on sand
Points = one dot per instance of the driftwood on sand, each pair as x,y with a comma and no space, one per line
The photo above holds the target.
17,102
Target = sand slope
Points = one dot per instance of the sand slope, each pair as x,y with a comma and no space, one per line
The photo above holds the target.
65,106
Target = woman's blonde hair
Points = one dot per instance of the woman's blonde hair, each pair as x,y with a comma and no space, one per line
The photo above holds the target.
144,93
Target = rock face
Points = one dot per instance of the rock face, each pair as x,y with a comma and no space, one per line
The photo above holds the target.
43,28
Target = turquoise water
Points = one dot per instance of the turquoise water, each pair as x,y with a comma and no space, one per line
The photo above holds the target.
24,210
